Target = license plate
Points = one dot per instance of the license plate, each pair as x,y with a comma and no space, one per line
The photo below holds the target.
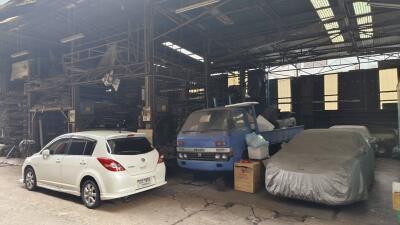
144,182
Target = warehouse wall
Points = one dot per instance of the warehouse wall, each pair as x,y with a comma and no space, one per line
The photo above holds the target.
358,101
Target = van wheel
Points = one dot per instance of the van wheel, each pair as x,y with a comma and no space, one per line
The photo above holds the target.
30,179
90,194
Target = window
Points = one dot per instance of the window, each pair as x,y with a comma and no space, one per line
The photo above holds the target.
59,147
81,147
129,146
89,147
203,121
233,79
388,80
331,91
77,147
238,120
284,95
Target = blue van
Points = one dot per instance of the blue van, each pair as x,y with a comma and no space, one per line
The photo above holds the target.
214,139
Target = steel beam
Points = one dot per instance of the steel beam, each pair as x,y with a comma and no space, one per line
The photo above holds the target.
187,22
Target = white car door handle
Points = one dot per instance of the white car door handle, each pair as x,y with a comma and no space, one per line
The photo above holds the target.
83,163
58,160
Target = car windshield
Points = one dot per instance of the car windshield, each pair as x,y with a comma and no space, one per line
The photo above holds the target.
129,146
202,121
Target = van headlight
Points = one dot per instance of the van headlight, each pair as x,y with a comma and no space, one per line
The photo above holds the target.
224,156
185,156
180,155
217,156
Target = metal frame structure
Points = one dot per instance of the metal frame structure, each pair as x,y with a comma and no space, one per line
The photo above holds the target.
231,35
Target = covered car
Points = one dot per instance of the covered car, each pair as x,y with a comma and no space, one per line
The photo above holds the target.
363,130
328,166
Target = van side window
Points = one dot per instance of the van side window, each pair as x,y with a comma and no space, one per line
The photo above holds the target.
238,120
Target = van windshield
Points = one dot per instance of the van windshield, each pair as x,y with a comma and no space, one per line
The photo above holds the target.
203,121
129,146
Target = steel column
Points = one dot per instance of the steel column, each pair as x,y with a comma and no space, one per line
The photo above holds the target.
149,61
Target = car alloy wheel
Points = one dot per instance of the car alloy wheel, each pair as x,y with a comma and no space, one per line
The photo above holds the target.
90,194
30,179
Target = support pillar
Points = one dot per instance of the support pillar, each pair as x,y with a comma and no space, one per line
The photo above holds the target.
149,111
207,63
72,114
242,82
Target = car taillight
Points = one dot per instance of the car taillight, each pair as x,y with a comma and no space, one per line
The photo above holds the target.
220,143
111,164
179,143
160,158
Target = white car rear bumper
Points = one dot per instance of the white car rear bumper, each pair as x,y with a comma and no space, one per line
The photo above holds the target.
122,185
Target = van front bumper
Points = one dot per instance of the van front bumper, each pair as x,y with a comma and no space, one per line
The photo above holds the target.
206,165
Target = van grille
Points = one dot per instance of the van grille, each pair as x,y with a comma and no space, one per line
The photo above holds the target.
205,156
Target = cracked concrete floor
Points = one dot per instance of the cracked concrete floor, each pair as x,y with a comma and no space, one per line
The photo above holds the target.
195,203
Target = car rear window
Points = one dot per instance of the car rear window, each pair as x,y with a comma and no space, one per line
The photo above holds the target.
129,146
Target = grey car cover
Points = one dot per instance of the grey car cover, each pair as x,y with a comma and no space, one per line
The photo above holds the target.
333,167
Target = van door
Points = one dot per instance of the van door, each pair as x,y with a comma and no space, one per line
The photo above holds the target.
240,127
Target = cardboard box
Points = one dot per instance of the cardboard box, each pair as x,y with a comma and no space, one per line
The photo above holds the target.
248,176
396,196
259,153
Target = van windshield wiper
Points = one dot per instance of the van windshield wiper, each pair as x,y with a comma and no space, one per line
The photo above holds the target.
215,129
189,131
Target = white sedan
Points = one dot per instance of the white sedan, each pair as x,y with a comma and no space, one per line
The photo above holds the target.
96,165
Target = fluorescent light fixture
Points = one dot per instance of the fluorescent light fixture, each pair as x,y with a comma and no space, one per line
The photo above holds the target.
325,14
9,19
196,6
183,51
336,38
72,38
320,3
361,8
19,54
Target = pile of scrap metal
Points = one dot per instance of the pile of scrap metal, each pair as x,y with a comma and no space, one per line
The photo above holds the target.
13,120
277,118
329,166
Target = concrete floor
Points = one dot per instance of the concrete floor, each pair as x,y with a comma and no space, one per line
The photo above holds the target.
184,201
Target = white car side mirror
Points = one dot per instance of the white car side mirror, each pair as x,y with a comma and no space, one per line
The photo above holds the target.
46,153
